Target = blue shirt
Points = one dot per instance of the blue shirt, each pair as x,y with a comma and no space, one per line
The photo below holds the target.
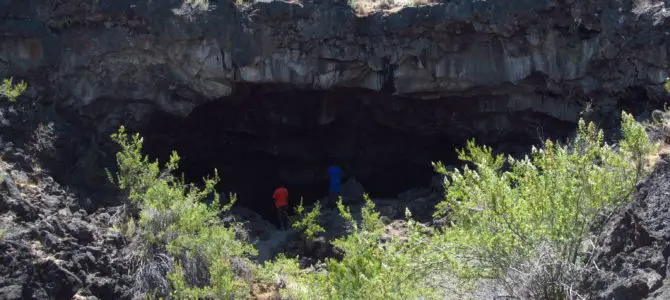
335,173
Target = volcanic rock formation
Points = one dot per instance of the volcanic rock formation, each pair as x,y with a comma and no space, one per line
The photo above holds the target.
538,55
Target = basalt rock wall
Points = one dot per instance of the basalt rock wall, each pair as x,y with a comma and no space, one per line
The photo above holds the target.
540,55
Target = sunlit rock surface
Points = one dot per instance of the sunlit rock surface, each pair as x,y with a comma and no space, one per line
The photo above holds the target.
531,54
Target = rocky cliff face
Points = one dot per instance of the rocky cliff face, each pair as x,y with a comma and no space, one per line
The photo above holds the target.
526,54
416,80
632,261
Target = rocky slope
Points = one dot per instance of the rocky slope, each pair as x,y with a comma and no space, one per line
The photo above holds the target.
520,54
50,247
632,262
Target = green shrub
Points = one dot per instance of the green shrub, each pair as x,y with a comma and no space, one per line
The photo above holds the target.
10,90
307,223
532,216
369,269
175,223
505,208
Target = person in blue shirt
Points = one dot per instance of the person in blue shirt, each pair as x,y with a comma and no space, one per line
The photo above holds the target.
334,175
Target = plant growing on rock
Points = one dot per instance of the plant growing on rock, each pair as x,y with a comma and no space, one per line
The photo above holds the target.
177,235
307,223
505,209
10,90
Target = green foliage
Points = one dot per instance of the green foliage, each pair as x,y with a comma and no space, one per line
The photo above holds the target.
308,223
507,214
136,174
636,144
2,234
369,269
285,269
10,90
173,218
504,208
666,85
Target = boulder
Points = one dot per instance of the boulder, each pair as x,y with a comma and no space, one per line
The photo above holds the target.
11,292
352,191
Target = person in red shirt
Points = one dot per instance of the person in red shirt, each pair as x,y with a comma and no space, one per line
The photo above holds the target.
281,204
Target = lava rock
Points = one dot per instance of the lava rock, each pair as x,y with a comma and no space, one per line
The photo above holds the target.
59,282
85,261
104,288
80,231
7,184
632,260
49,240
24,210
11,292
352,191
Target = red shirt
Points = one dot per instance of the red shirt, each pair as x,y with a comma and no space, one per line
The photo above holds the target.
281,197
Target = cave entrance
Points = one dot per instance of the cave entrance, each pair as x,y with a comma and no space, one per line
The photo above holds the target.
264,136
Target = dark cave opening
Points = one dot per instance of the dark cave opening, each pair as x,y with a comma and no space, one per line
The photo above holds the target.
264,136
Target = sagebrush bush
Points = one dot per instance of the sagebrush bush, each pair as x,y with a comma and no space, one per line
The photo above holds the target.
503,209
177,235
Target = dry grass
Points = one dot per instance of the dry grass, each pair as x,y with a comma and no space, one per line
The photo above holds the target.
42,139
191,10
659,130
653,158
546,275
366,7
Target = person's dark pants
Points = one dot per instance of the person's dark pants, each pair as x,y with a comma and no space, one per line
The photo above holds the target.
282,216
